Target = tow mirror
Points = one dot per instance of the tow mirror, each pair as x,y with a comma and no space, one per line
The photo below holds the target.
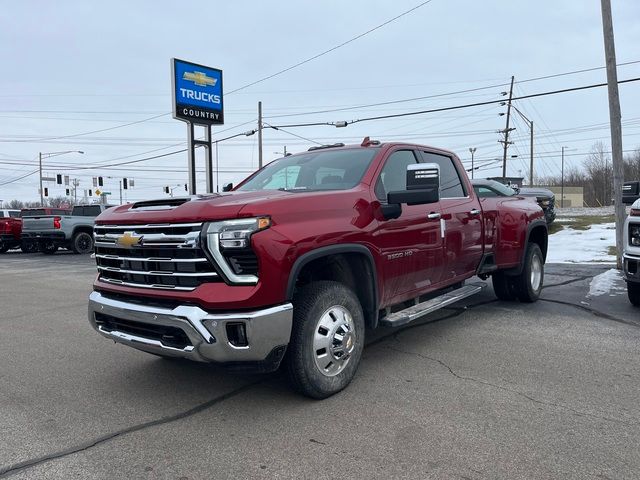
423,185
228,187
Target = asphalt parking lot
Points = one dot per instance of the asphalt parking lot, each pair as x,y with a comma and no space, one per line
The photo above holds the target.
482,390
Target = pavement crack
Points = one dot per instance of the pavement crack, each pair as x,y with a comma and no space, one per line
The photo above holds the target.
593,311
509,390
26,464
567,282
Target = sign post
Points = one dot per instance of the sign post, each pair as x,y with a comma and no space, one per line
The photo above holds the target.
197,100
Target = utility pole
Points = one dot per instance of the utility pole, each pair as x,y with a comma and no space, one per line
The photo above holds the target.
259,135
41,190
531,156
507,130
75,183
120,185
562,181
472,150
615,121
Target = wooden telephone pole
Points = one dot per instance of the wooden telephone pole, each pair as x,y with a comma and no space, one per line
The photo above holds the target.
506,132
615,121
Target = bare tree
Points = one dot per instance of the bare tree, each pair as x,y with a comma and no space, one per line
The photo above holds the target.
16,204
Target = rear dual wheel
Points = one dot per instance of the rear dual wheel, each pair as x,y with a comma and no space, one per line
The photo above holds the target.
525,286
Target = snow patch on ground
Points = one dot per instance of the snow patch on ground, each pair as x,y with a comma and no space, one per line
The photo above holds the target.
606,283
582,246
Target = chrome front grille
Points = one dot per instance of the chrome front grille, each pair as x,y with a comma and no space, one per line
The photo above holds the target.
160,256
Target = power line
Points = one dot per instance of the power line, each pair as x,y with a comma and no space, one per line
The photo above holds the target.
351,40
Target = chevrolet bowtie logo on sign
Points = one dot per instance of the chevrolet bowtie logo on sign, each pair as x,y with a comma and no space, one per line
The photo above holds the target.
199,78
197,93
128,240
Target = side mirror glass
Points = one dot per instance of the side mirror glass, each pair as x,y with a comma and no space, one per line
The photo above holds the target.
228,187
423,185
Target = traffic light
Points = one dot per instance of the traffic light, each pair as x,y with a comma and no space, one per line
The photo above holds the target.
59,179
185,188
90,192
166,189
46,192
100,182
67,191
125,183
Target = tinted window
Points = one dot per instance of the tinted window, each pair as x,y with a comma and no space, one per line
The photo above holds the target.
92,211
36,212
330,169
450,183
484,192
393,176
14,213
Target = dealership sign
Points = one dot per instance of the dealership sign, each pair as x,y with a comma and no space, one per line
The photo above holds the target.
197,93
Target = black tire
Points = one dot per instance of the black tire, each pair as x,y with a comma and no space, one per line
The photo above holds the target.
82,243
528,285
4,246
334,305
29,247
633,292
503,286
48,248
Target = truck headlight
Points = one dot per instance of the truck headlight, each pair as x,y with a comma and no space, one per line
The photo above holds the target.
228,236
634,234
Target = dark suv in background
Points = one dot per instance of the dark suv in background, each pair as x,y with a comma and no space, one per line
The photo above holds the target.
492,188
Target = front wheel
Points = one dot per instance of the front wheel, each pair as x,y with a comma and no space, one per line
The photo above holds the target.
633,292
4,246
48,248
29,247
82,242
327,339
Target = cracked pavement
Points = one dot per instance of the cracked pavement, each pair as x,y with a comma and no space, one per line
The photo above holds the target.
482,390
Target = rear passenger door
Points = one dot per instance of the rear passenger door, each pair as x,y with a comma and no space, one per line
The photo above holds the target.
461,219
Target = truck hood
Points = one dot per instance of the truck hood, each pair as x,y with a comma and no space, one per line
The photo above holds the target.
197,208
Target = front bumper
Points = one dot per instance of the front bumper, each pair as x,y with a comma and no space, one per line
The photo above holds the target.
202,336
631,267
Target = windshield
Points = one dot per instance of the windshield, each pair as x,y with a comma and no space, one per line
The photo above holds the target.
318,170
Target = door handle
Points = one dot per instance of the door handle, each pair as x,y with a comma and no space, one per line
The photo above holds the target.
475,211
433,216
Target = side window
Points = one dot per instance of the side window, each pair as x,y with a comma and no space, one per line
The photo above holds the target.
13,214
485,192
284,178
450,183
393,176
92,211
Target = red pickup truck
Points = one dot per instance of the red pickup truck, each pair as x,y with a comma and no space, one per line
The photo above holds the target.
10,226
296,262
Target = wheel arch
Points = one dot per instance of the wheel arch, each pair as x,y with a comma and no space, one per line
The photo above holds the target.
350,264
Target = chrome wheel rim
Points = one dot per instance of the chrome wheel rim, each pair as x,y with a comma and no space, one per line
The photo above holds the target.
334,340
536,272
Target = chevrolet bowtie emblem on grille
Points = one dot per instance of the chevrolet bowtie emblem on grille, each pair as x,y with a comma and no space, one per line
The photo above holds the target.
127,240
199,78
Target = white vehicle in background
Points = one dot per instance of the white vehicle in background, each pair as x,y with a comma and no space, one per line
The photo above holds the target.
631,254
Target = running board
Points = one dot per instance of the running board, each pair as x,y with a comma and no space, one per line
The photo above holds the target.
407,315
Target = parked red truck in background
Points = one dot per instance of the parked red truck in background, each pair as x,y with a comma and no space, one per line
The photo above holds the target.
299,259
10,226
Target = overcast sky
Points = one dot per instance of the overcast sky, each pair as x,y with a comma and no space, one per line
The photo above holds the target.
73,67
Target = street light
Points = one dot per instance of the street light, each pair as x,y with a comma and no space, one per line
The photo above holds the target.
472,150
49,155
246,134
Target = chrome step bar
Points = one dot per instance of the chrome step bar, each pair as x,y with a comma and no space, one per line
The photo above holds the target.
407,315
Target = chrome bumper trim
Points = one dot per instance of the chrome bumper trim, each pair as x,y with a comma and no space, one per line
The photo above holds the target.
266,329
